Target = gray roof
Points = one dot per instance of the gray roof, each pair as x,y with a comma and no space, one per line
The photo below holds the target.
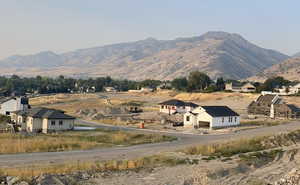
219,111
179,103
45,113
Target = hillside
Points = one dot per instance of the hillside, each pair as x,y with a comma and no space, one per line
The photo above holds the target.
289,69
297,55
216,53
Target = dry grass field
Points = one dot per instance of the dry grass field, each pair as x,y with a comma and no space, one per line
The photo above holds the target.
17,143
60,98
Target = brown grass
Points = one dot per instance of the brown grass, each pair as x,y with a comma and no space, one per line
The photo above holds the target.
212,96
229,149
60,98
100,166
10,143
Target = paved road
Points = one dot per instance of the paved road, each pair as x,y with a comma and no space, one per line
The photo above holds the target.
130,152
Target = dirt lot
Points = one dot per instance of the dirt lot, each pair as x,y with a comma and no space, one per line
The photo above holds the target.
114,108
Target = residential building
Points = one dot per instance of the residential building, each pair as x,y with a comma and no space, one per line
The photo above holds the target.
12,104
43,120
237,87
211,117
174,106
273,106
110,89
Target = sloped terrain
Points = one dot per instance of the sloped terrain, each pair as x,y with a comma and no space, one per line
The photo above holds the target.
216,53
289,69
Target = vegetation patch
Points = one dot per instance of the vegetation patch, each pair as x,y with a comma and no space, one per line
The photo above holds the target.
244,145
17,143
261,123
94,167
4,119
258,159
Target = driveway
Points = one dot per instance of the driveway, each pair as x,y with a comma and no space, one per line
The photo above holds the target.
184,140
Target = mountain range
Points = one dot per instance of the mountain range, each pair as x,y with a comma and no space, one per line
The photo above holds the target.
215,53
289,69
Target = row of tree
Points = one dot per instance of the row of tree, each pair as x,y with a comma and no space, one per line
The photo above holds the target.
61,84
195,82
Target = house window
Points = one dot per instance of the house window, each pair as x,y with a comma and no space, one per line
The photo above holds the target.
60,122
235,119
53,123
222,120
188,118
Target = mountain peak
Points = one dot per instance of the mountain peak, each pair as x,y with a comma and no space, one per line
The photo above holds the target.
221,35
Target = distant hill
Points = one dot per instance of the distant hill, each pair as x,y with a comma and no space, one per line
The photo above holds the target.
289,69
216,53
296,55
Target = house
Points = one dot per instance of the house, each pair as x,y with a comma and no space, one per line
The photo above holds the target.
211,117
147,89
289,90
295,89
237,87
110,89
174,106
273,106
42,120
12,104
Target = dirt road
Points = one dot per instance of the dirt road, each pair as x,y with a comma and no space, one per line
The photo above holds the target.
184,140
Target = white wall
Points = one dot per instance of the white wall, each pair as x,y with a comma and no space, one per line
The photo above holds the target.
67,124
225,121
12,105
215,122
192,120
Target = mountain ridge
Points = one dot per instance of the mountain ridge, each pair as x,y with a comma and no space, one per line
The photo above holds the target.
216,53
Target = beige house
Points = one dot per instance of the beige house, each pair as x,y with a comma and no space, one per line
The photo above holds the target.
43,120
248,87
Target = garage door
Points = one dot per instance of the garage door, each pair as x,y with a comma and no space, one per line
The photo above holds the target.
204,124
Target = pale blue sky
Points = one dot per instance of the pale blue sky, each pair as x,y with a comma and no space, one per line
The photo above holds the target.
31,26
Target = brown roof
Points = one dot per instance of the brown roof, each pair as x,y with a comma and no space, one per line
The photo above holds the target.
266,98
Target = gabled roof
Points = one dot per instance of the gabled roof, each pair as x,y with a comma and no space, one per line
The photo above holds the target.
179,103
294,108
219,111
5,99
173,102
191,104
268,98
45,113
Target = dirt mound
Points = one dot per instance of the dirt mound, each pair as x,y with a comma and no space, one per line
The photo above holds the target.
293,177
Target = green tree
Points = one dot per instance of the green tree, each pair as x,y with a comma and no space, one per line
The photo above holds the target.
220,84
198,81
180,84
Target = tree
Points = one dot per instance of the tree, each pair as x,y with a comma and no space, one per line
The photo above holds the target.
180,84
275,82
198,81
220,84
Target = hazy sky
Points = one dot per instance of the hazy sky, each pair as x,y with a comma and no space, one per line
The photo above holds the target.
31,26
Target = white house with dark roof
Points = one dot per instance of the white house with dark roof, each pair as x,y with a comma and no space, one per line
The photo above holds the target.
43,120
174,106
211,117
12,104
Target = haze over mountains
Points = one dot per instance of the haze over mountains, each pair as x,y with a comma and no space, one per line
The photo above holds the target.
289,69
216,53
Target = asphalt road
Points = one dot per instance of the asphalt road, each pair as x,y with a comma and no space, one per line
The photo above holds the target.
184,140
